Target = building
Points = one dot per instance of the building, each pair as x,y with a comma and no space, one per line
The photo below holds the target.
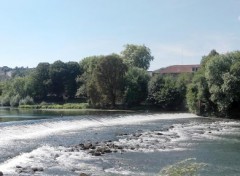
177,69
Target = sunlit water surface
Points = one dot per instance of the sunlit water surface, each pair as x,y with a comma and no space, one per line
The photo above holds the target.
42,139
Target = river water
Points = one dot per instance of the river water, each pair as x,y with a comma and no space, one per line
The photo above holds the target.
151,142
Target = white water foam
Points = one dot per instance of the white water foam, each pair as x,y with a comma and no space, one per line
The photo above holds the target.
32,131
58,158
218,130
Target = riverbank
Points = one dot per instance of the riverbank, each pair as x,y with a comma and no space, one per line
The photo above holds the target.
57,106
87,107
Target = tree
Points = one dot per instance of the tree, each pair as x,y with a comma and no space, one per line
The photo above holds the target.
6,69
57,73
136,86
222,74
198,95
86,79
39,82
214,89
70,83
13,91
164,93
207,58
109,75
137,56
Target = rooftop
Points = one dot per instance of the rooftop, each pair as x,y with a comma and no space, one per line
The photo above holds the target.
176,69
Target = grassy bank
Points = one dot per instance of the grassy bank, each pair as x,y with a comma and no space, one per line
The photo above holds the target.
57,106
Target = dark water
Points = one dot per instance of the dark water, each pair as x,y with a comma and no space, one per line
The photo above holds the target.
41,139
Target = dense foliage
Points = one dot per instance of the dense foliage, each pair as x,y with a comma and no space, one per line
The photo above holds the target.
122,80
47,81
168,92
137,56
136,86
214,89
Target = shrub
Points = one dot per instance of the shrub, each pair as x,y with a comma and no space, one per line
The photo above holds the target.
5,100
14,101
27,101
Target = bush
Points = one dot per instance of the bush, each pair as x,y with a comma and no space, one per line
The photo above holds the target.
136,88
165,93
27,101
57,106
14,101
5,100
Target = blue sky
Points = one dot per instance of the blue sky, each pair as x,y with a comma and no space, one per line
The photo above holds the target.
176,31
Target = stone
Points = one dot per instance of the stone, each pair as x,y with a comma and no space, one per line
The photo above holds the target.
120,147
107,150
1,173
97,154
138,135
24,170
40,169
83,174
35,169
92,147
87,146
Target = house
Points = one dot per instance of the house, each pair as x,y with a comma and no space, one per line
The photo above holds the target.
177,69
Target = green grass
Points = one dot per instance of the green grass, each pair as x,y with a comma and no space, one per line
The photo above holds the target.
57,106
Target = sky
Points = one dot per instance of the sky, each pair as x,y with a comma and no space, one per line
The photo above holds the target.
176,31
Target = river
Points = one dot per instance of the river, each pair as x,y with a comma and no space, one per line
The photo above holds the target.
150,140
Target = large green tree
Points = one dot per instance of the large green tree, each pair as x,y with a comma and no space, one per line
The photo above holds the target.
214,89
39,82
137,56
222,74
198,95
136,86
87,88
70,83
109,75
57,73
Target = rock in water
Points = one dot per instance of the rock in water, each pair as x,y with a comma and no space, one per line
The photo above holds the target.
35,169
87,146
83,174
97,154
1,174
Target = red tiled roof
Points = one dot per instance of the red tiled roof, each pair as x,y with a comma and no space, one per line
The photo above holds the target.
177,69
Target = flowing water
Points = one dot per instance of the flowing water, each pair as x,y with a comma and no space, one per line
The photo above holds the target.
151,142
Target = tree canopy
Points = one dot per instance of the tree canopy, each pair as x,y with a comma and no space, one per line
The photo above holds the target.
109,76
137,56
214,89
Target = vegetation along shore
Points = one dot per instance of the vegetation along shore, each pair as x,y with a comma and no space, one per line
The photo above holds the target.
121,81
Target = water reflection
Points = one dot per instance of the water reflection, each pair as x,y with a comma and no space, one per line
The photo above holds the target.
15,114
